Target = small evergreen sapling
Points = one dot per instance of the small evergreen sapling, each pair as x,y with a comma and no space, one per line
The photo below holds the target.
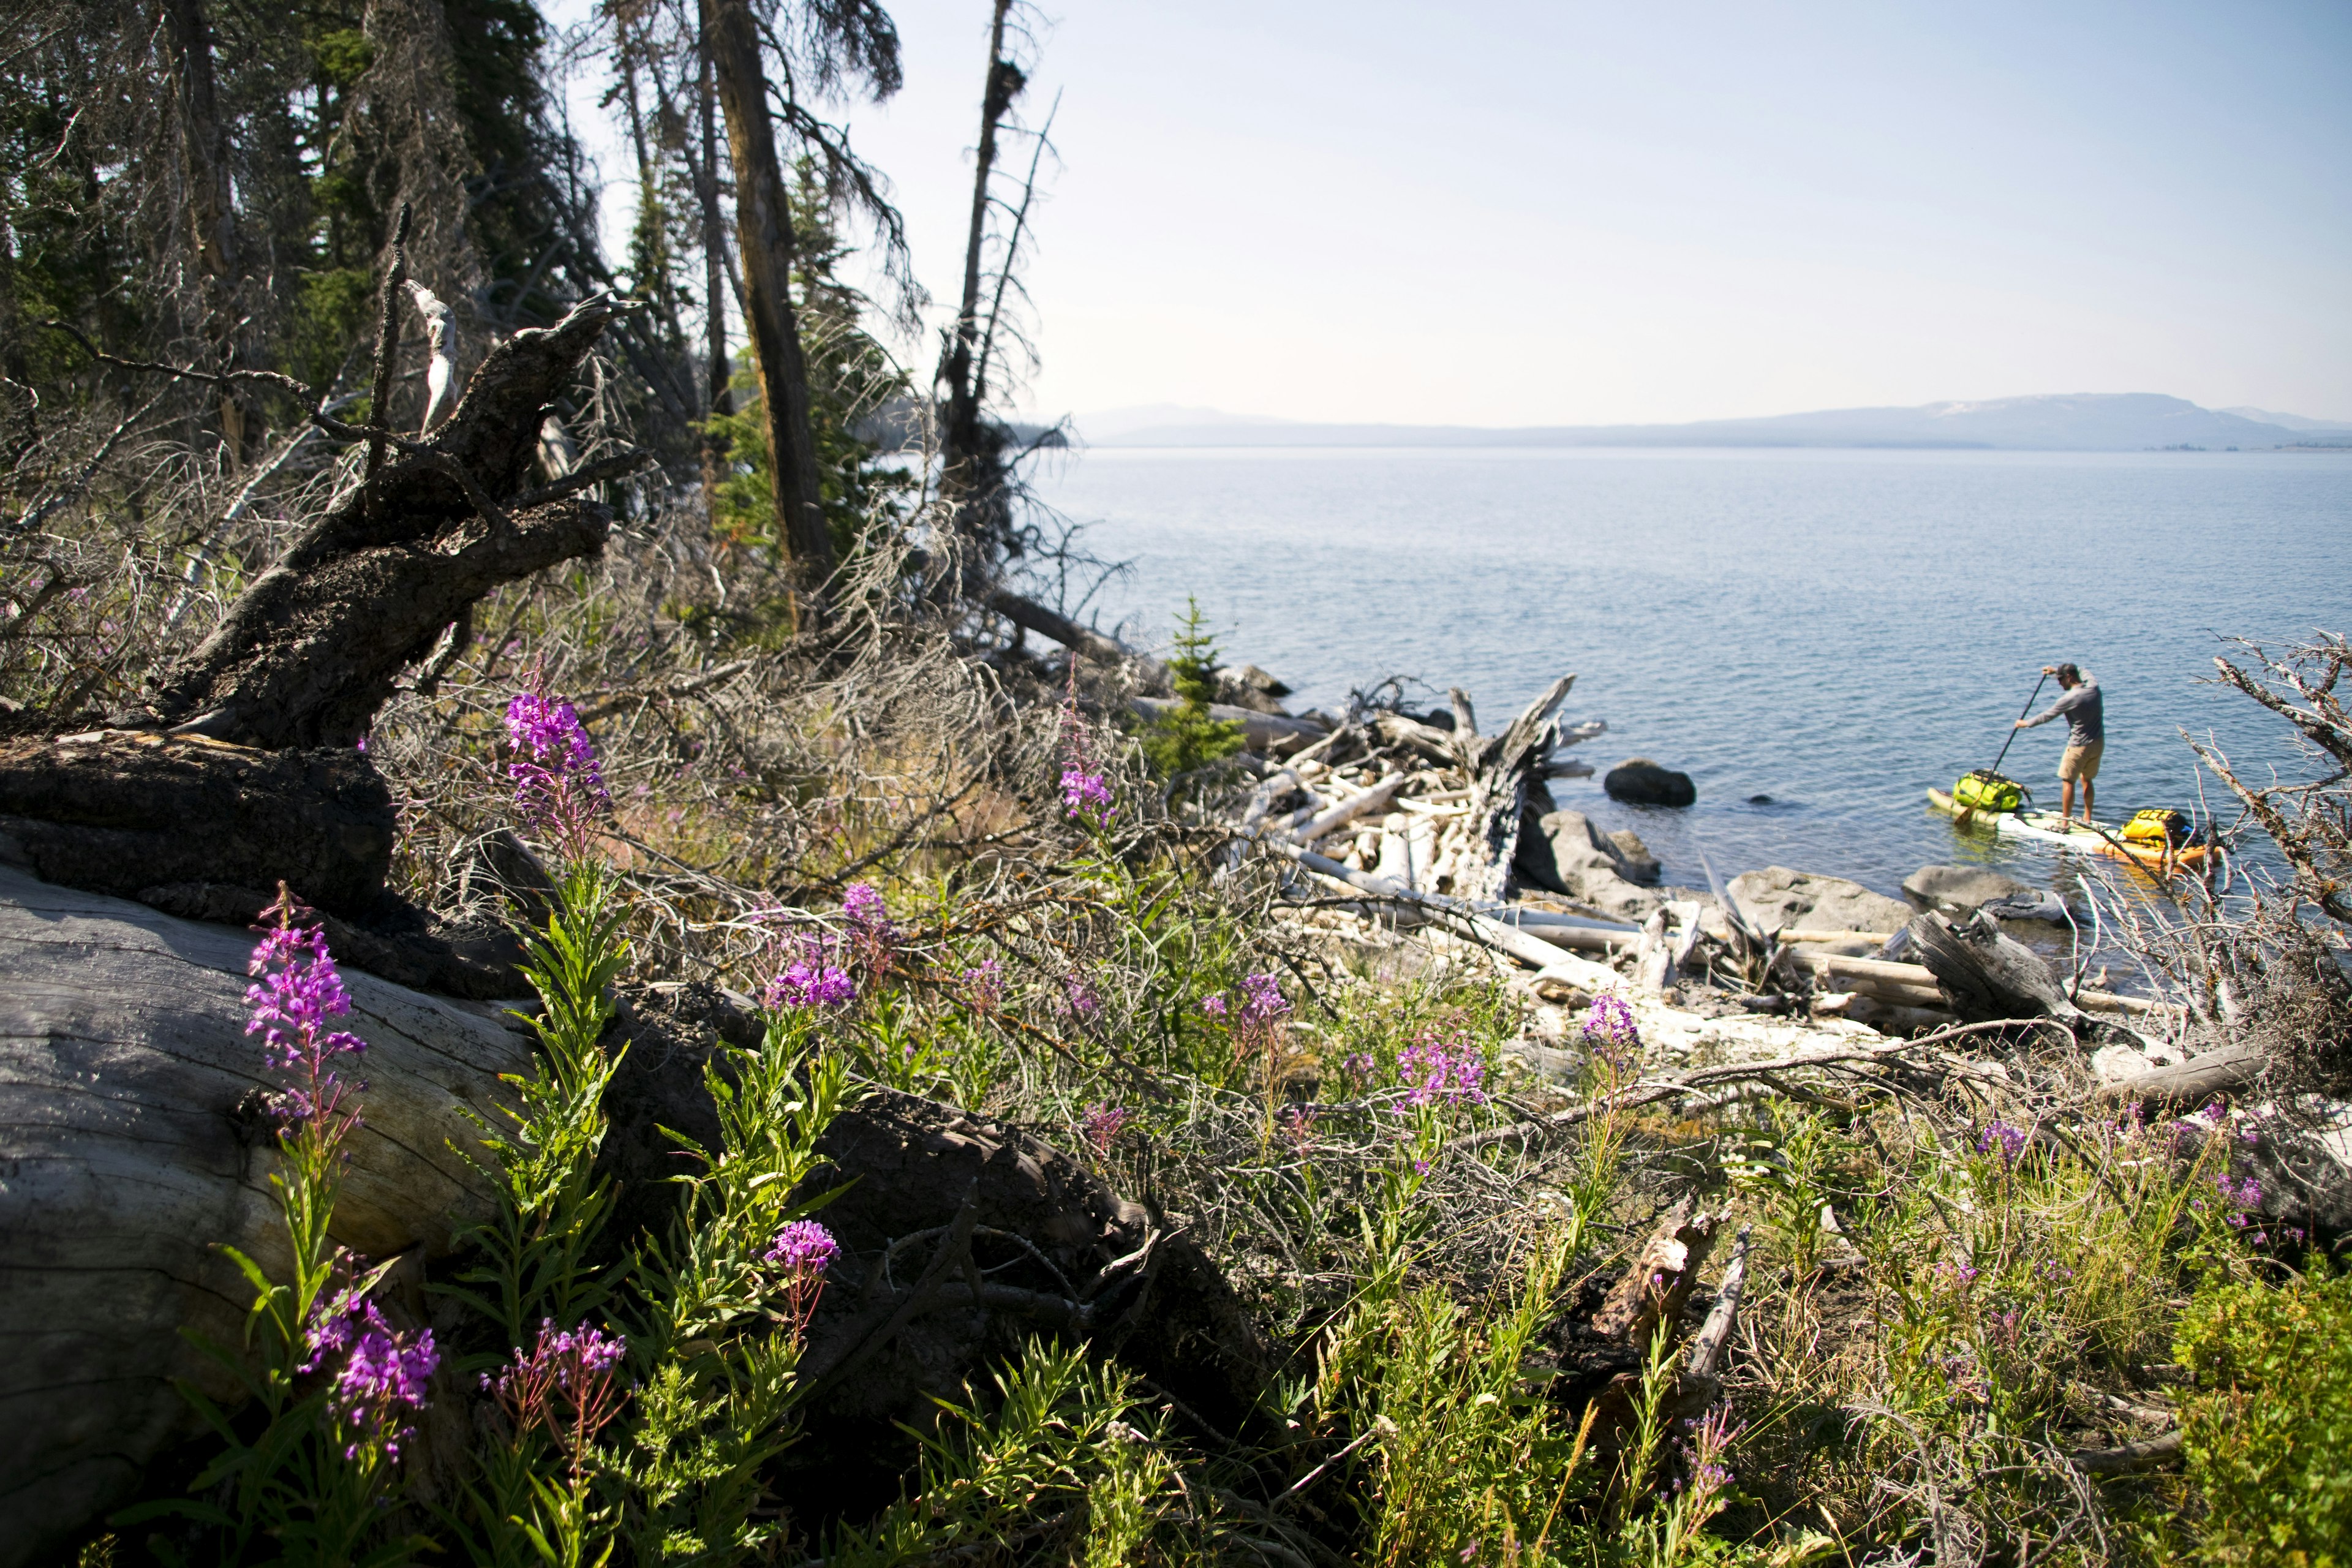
1186,738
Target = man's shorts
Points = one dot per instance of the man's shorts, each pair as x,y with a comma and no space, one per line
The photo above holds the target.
2081,761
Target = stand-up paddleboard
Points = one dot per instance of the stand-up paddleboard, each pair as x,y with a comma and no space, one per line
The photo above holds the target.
2074,833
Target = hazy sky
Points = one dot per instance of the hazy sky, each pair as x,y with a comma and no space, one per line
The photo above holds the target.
1564,213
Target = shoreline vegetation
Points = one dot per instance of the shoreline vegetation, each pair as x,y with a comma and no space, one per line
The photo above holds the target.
591,973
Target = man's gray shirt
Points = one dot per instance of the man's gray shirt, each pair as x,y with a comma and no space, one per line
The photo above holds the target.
2080,708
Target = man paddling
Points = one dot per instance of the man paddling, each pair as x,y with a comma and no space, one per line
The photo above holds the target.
2086,736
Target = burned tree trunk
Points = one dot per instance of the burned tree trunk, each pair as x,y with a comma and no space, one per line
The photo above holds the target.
111,812
971,447
308,653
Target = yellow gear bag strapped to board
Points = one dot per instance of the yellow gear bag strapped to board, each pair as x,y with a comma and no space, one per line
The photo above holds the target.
1985,790
2157,825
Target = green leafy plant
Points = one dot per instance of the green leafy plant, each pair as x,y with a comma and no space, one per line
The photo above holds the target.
2268,1435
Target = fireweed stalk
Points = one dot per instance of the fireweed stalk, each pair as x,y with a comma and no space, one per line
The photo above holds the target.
336,1383
534,1253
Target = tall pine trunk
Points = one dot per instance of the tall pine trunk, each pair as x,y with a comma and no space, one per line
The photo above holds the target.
764,236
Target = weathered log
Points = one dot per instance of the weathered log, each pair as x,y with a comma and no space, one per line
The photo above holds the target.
310,650
118,811
1267,735
130,1147
1148,673
1987,975
2216,1074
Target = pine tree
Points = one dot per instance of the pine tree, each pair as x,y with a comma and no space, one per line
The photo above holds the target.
1186,737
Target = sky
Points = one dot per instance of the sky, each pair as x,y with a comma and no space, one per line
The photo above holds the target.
1508,214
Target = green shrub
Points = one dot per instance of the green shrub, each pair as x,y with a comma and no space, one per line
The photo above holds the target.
2268,1436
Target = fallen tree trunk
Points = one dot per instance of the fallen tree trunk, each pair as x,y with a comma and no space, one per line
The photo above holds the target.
118,811
131,1146
1149,674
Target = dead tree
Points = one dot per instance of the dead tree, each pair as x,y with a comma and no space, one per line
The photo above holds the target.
306,655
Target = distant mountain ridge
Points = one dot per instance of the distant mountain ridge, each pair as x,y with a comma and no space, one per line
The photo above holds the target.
2115,421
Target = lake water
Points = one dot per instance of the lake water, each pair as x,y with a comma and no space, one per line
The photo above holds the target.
1837,630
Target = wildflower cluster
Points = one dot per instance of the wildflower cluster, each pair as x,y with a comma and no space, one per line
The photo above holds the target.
1443,1069
557,782
983,984
567,1383
297,991
1103,1125
1085,797
873,936
2001,1138
812,975
1080,1002
1085,788
1256,1016
384,1370
1610,1030
804,1251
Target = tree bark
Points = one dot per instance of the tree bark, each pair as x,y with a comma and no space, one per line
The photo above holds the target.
764,226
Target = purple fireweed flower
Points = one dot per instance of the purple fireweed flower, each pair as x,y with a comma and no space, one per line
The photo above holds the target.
805,1250
1610,1030
1447,1068
298,992
1262,999
1215,1006
1085,797
1078,999
811,976
2244,1192
1103,1125
983,983
557,782
383,1372
567,1382
2008,1141
805,1246
864,908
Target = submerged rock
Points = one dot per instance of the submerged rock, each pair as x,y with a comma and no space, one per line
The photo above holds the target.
1638,781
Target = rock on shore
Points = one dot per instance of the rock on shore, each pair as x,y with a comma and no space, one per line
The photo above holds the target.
1800,900
1961,887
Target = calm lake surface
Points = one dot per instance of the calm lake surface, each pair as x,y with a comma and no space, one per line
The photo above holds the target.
1837,630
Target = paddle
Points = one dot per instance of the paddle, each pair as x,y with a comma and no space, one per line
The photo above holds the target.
2013,729
1965,816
